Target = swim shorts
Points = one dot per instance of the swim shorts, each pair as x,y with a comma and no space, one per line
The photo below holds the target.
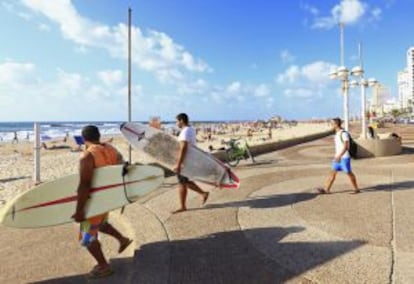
90,227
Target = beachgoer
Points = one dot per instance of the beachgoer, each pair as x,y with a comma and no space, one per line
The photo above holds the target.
342,159
15,138
96,155
371,133
270,133
186,138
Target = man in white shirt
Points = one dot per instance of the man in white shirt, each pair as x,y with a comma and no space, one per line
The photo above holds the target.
186,138
342,159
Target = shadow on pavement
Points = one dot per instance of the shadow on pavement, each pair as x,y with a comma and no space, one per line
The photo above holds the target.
404,185
223,257
270,201
13,179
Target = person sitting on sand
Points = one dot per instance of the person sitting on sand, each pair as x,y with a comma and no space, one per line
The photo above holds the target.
96,155
186,138
54,147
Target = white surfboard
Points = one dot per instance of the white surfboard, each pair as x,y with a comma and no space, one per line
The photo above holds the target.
54,202
198,165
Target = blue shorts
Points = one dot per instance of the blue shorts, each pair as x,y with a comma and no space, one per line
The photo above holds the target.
342,166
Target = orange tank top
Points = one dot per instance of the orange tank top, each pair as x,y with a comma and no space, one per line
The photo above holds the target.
103,155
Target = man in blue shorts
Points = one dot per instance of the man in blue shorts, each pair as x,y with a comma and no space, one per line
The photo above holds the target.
342,159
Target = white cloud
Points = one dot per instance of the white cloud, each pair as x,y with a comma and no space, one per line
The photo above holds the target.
15,73
308,81
81,49
311,9
290,75
43,28
111,77
153,51
286,56
262,91
348,12
376,13
234,87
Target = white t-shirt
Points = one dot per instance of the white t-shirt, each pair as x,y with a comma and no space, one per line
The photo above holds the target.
340,138
188,134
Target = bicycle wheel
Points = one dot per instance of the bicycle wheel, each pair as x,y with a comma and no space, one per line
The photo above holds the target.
231,158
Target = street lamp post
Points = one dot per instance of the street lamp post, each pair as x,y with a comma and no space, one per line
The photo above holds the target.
342,74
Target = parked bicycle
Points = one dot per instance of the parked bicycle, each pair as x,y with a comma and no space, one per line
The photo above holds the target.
237,152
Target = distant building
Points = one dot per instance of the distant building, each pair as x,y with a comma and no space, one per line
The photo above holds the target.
380,94
404,97
410,70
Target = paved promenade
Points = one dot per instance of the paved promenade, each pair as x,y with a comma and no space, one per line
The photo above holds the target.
274,229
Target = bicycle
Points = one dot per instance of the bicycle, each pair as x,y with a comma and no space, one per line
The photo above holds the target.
235,152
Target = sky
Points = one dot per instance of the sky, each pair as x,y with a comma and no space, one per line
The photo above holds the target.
66,60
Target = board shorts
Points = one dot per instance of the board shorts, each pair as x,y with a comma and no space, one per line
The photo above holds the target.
344,165
183,179
90,227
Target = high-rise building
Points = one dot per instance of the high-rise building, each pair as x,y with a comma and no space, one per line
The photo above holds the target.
404,90
410,70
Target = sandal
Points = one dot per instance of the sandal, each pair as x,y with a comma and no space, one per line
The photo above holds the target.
98,272
124,246
322,190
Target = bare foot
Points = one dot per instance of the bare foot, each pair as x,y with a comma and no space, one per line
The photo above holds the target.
205,197
179,210
124,245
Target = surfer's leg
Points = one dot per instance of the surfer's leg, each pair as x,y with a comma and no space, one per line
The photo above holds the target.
182,195
108,229
89,238
193,186
95,250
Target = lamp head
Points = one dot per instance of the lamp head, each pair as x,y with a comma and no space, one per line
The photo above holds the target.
357,71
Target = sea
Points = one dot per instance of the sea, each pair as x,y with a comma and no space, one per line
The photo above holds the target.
51,130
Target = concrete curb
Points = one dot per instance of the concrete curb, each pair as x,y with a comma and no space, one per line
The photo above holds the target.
274,146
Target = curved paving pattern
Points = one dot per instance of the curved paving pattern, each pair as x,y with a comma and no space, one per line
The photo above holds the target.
274,229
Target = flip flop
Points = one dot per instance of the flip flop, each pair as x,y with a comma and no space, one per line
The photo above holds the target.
321,190
97,272
179,211
123,247
205,198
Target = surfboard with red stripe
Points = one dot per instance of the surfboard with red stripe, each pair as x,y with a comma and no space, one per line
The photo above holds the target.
54,202
198,165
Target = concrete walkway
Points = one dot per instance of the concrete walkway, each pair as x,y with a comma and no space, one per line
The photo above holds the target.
274,229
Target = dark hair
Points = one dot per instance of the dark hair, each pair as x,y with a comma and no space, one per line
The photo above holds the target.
91,133
337,121
183,117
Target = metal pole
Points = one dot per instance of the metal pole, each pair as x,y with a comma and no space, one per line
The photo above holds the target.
129,78
346,103
36,154
363,97
341,26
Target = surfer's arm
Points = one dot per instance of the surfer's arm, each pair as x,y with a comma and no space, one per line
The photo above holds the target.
86,172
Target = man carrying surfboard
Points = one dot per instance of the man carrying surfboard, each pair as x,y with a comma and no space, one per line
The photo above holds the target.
96,155
187,137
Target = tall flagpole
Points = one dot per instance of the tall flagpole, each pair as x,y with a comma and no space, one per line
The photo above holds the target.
129,78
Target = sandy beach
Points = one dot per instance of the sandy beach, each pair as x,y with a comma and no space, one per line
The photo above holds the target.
16,165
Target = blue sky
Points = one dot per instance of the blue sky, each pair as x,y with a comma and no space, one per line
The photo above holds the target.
215,60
